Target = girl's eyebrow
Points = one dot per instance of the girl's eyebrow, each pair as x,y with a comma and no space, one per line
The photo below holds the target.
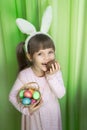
42,50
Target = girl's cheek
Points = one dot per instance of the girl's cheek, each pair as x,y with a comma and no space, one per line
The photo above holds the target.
52,56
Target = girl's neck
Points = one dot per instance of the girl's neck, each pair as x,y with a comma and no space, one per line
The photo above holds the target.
37,72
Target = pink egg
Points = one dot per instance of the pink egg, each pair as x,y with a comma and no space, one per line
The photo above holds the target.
27,94
33,101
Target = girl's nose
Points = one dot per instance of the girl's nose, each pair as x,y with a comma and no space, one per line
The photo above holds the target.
46,58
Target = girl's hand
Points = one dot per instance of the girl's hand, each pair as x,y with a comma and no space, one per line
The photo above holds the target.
35,106
54,68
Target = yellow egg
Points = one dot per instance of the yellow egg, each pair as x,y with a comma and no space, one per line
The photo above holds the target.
31,90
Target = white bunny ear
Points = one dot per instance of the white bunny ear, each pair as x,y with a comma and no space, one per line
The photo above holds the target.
25,26
46,20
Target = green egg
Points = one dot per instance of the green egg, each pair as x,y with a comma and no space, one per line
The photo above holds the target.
21,94
36,95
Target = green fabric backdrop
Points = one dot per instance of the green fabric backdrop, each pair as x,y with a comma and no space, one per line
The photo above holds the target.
69,31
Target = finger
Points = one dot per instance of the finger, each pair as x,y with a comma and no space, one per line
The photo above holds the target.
51,71
53,67
36,104
56,66
35,108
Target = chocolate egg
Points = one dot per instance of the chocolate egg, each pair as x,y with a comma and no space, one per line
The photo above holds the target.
36,95
49,64
26,101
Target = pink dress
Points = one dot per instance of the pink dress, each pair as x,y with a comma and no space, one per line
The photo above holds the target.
48,116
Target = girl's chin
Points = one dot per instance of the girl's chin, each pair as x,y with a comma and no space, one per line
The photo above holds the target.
44,69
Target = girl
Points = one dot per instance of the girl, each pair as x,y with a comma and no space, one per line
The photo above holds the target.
33,56
41,50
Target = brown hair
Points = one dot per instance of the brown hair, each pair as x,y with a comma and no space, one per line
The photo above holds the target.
37,42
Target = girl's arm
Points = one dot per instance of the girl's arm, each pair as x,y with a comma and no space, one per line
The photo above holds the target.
56,83
13,97
55,80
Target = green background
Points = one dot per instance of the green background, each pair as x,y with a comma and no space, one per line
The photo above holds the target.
69,31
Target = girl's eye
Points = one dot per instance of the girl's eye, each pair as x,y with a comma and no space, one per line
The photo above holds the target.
39,54
51,52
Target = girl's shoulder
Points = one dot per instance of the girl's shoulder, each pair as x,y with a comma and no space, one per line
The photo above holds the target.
25,73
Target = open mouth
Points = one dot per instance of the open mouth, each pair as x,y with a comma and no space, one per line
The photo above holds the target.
44,64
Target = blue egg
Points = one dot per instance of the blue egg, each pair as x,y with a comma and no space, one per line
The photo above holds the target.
26,101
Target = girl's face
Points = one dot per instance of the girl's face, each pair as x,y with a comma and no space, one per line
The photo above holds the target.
41,58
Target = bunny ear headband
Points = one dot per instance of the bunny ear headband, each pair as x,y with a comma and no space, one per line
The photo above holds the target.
29,29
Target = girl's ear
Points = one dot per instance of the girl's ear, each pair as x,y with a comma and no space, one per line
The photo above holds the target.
29,57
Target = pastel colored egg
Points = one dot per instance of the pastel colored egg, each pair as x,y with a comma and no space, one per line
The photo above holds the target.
36,95
31,90
26,101
33,101
21,94
27,94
